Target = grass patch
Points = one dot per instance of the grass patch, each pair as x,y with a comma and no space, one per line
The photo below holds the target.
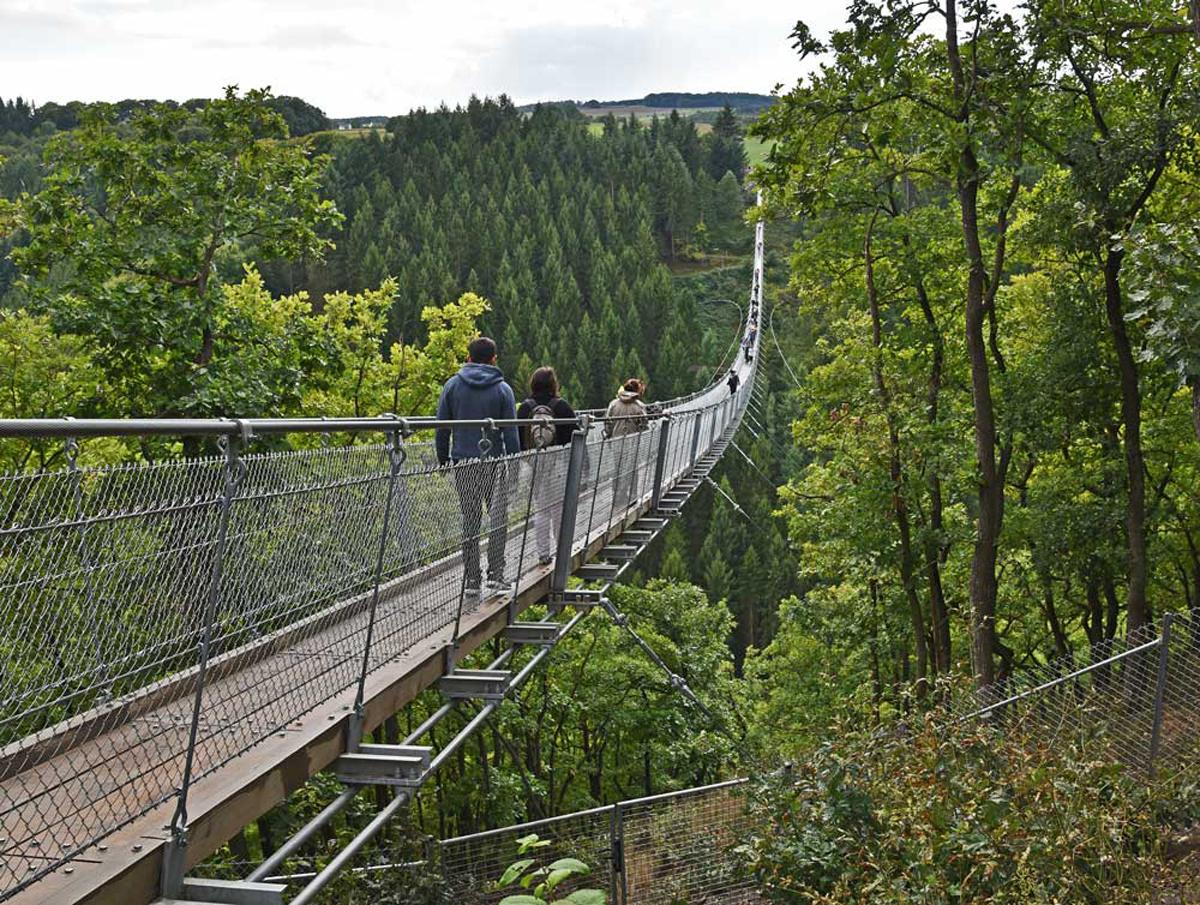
757,150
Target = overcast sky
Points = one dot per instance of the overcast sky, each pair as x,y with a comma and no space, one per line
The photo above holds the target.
358,57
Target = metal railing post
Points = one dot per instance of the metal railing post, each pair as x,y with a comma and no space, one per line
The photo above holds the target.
660,464
570,510
530,515
696,438
174,860
1160,688
616,840
396,455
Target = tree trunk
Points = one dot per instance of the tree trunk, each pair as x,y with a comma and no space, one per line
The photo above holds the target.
990,487
934,549
1131,420
896,471
1112,605
1196,405
1061,646
990,481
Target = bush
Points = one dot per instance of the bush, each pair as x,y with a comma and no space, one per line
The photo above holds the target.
954,814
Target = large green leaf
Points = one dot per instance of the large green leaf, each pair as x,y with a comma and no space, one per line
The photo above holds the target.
585,897
523,900
574,865
513,872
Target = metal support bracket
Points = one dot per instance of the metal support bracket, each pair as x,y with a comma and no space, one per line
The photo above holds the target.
231,892
174,864
598,571
543,633
449,657
619,552
475,684
580,598
354,730
385,765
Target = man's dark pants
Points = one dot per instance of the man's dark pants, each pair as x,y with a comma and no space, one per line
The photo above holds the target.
483,485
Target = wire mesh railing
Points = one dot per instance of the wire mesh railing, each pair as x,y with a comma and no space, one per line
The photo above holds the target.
159,619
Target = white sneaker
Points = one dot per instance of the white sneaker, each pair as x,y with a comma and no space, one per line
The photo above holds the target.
498,586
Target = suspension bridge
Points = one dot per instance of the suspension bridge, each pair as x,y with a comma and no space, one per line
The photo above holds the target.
184,643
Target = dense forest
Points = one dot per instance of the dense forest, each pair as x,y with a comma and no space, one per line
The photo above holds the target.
563,232
974,449
333,291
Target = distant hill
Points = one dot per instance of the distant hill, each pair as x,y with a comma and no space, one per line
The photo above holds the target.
741,101
359,122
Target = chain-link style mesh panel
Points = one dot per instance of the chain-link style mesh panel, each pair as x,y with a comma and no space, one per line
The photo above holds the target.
681,849
469,866
108,574
1131,697
669,849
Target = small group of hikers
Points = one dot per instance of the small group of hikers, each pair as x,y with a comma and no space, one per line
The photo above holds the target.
479,392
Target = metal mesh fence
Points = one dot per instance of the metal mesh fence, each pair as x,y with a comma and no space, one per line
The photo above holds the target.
671,849
1135,696
117,583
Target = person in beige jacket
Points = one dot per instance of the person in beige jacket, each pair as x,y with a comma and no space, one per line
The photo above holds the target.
626,415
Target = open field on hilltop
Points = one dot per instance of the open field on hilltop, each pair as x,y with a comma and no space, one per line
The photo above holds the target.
597,128
642,112
757,149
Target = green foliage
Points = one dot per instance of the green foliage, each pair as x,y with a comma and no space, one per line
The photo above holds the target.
127,235
937,812
1064,142
601,722
543,881
1166,294
43,375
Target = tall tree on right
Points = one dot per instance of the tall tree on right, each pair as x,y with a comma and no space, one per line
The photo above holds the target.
1121,102
964,97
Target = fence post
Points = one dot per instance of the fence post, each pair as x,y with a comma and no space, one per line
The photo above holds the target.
1160,688
174,860
660,464
618,891
396,455
531,516
570,510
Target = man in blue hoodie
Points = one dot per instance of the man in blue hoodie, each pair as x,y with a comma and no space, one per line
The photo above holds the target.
478,392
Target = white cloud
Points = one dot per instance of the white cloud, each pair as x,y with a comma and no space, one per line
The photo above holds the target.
375,56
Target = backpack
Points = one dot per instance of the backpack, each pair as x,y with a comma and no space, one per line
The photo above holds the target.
543,430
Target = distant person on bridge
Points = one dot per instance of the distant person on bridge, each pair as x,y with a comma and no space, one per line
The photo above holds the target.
478,392
550,415
733,382
626,415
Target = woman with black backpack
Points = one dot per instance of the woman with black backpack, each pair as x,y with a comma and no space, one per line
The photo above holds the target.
552,424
